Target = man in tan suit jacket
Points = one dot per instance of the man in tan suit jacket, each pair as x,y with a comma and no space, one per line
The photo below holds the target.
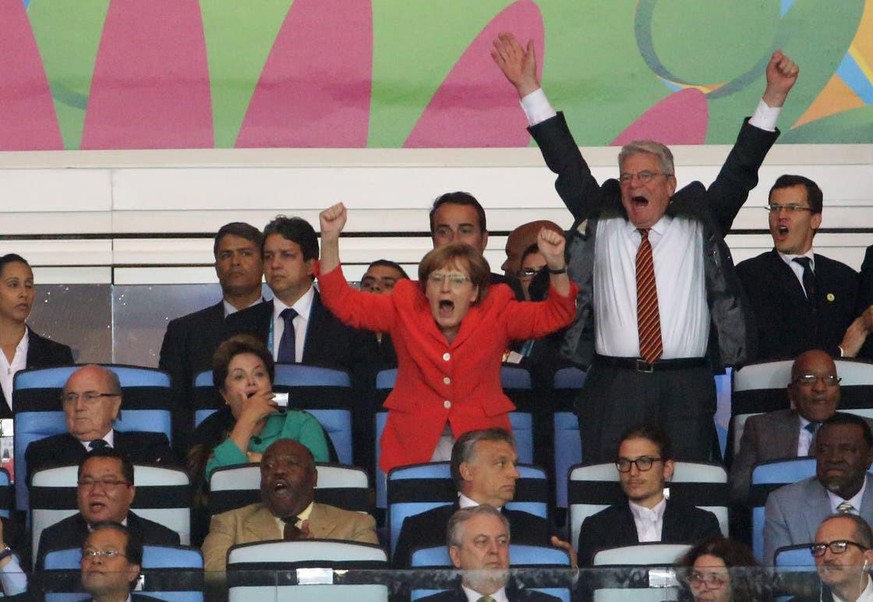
287,510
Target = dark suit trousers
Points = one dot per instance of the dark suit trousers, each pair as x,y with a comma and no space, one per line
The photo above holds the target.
681,401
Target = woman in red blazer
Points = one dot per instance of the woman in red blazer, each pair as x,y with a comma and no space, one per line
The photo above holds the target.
450,330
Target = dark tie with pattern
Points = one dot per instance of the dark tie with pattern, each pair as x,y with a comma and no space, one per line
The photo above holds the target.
648,320
287,344
812,429
291,531
97,444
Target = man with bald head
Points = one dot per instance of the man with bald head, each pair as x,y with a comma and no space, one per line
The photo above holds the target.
92,400
814,392
287,510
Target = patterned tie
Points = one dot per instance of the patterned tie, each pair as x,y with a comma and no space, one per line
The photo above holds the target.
97,444
812,429
648,320
287,344
291,531
846,508
808,281
485,599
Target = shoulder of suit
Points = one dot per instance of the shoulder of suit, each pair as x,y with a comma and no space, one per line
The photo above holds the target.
206,312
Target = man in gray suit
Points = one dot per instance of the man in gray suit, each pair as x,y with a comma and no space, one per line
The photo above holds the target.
843,453
814,392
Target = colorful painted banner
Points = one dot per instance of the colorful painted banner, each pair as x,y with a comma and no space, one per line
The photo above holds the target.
129,74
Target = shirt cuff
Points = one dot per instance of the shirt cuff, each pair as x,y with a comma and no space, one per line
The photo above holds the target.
537,107
765,116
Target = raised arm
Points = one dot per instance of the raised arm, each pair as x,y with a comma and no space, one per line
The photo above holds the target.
518,64
332,221
782,74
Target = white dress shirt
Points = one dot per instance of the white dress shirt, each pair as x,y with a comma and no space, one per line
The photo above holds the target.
796,267
836,500
302,306
473,596
649,521
19,362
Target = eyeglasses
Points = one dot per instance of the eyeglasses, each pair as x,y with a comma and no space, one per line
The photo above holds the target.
808,380
529,272
709,580
789,208
836,547
455,280
643,463
102,483
643,176
87,397
107,554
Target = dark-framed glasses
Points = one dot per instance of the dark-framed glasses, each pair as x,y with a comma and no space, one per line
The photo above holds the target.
643,463
87,397
644,177
700,580
808,380
529,272
789,208
839,546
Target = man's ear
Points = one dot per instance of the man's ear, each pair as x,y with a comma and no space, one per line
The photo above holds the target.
466,471
455,555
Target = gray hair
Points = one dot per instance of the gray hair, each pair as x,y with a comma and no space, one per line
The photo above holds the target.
455,528
663,154
464,449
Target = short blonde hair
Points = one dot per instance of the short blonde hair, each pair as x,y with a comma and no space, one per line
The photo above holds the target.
461,254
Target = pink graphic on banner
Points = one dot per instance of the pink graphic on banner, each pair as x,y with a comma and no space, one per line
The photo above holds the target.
315,88
475,106
681,118
151,82
27,114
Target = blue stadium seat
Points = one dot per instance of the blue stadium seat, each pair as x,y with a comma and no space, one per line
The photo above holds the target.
165,568
766,477
147,406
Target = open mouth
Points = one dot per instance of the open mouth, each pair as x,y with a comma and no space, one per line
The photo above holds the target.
280,487
783,230
640,201
97,507
446,307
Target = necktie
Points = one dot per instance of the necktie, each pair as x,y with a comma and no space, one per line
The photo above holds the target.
291,531
808,280
485,599
812,429
846,508
648,320
97,444
287,345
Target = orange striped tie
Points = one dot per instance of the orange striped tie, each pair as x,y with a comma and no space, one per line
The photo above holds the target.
648,320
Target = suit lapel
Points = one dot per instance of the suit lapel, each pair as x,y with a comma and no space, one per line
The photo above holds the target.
787,281
315,324
627,528
262,526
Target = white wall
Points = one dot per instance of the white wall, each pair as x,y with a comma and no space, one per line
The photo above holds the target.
148,216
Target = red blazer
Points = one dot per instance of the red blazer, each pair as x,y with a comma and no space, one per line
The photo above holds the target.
438,381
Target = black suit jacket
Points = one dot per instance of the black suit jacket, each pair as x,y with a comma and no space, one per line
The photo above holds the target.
64,449
614,527
783,319
330,344
428,530
189,343
73,530
865,288
456,594
41,353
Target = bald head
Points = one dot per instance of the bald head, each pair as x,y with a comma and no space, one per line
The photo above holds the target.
813,390
520,239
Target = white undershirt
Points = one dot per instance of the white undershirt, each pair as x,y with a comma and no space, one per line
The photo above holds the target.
109,438
649,521
302,306
19,362
866,595
473,596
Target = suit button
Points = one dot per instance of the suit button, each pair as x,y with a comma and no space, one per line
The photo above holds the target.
447,380
447,404
447,356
